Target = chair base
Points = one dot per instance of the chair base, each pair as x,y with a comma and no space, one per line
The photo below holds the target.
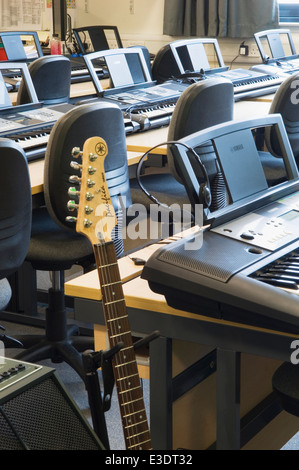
67,350
60,341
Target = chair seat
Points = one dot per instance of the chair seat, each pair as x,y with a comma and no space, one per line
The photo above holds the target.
163,186
285,383
274,168
53,248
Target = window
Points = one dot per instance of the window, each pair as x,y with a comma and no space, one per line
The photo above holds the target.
288,11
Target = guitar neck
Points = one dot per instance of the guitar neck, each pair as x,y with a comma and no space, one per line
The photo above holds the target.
130,396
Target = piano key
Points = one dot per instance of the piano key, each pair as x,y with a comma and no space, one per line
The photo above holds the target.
279,283
286,272
283,277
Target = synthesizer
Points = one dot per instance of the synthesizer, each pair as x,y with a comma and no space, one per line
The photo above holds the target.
244,266
249,275
247,83
151,107
278,53
31,128
191,61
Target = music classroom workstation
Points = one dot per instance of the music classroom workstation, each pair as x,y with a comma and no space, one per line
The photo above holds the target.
163,201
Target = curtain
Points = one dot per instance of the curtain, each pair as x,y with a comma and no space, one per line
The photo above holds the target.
223,18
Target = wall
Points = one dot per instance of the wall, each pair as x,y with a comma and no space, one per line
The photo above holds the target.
143,25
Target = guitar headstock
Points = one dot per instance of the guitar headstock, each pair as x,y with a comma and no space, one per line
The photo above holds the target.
95,213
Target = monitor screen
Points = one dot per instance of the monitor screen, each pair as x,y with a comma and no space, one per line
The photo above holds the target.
59,14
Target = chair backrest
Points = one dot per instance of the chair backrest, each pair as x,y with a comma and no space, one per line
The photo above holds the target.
71,130
164,65
201,105
187,56
285,102
97,38
16,207
51,77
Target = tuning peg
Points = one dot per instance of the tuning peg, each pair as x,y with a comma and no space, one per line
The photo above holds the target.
72,192
87,223
92,157
89,196
76,152
70,218
71,205
74,179
75,166
88,210
91,170
90,183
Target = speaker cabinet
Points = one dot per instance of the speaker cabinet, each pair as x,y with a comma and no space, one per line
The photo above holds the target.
37,413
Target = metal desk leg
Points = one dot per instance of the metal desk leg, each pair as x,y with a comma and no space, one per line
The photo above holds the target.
228,400
161,393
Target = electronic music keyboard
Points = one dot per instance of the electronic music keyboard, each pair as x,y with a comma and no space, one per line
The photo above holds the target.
31,129
152,116
244,266
231,279
247,83
150,106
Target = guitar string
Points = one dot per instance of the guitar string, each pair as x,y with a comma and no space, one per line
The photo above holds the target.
114,313
114,310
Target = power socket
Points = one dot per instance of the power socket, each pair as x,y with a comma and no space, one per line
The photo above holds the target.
132,7
254,51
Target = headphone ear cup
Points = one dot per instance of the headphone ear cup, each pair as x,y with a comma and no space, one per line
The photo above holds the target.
205,195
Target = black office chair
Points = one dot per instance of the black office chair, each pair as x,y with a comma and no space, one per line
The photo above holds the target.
200,106
15,218
96,38
54,245
51,77
285,102
285,382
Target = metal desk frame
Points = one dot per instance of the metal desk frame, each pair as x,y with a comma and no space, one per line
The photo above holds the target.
229,341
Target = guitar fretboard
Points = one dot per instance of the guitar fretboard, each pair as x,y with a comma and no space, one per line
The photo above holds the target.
130,395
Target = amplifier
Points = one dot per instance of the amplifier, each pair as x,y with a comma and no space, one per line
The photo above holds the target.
37,413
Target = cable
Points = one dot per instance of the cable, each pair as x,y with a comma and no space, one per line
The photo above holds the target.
171,142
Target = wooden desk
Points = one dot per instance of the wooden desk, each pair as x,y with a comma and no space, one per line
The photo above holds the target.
36,171
222,360
78,90
143,141
265,98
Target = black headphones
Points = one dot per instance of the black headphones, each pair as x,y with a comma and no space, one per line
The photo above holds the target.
205,196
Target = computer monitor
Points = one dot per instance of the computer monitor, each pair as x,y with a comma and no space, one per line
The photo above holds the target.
59,15
97,38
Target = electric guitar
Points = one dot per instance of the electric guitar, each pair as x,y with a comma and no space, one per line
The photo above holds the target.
96,220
